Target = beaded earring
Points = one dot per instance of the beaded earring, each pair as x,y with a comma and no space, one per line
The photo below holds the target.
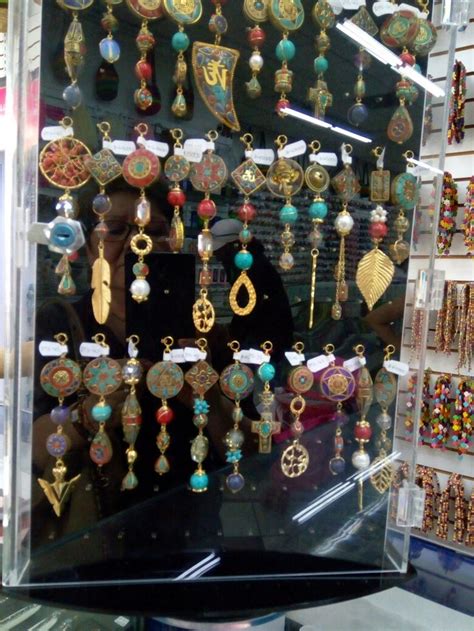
101,377
60,378
441,411
248,178
164,380
74,51
319,95
61,162
109,49
317,180
285,178
405,195
140,169
176,170
132,372
379,179
201,377
236,382
256,12
266,426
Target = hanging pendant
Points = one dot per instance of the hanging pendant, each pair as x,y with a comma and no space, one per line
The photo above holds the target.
400,127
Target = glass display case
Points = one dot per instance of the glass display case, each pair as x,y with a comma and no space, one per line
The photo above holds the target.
212,230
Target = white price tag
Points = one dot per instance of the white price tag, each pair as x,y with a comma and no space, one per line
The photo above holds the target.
119,147
326,159
210,145
194,148
132,349
55,132
354,363
36,233
383,7
352,5
346,158
52,349
263,156
176,355
315,364
193,354
254,356
293,149
419,170
160,149
178,151
380,159
409,7
91,349
410,168
396,367
248,153
122,621
336,6
295,359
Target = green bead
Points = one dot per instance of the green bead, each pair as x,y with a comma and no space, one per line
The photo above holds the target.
266,372
245,235
318,210
243,260
285,50
180,42
320,64
288,214
101,412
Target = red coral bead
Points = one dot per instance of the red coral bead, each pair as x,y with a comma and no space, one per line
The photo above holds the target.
363,432
176,197
282,103
247,212
143,71
408,58
164,415
256,36
206,209
378,230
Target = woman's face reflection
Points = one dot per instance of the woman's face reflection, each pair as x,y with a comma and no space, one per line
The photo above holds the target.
121,230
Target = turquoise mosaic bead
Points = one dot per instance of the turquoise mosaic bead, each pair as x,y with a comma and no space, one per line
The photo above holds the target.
318,210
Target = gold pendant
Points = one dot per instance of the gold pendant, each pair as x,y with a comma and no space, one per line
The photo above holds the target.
176,237
294,460
382,478
58,492
243,281
100,283
204,315
380,185
374,274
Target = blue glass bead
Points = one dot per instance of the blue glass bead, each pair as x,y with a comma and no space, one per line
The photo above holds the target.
62,235
321,64
59,414
56,445
318,210
180,42
235,482
72,96
101,412
357,114
337,465
101,204
199,481
109,50
288,214
285,50
243,260
266,372
245,235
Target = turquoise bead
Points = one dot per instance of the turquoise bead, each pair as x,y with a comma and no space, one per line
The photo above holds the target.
180,42
199,481
243,260
285,50
245,235
266,372
318,210
320,64
288,214
101,412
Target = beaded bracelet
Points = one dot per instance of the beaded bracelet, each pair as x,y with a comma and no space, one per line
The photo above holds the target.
462,419
441,411
457,103
468,221
448,213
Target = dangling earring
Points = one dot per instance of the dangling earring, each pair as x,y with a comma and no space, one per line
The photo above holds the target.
140,169
266,426
319,95
74,51
362,430
256,12
131,411
405,194
248,178
104,168
164,380
201,377
59,378
379,179
61,162
317,180
101,377
284,179
176,169
236,382
109,49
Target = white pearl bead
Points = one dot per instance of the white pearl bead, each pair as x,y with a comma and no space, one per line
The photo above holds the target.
140,288
344,223
256,62
360,459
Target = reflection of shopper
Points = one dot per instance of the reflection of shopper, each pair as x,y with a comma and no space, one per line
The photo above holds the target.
386,321
271,318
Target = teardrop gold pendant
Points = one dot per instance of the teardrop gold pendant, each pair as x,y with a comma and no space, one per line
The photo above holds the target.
243,281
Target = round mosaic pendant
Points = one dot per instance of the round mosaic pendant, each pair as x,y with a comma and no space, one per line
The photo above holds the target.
61,162
165,379
287,15
405,191
400,29
177,168
146,9
236,381
183,11
209,174
300,379
60,377
285,178
56,445
256,10
102,376
141,168
425,39
317,178
337,384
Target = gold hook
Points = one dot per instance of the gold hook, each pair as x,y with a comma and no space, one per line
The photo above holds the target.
167,342
281,141
389,351
359,349
201,343
409,155
104,128
329,349
62,338
297,405
234,346
142,129
99,338
348,149
66,122
247,139
298,347
134,339
177,136
377,152
267,347
212,135
315,146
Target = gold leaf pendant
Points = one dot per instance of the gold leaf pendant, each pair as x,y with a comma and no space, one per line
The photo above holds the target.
102,295
374,275
382,478
243,281
59,491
